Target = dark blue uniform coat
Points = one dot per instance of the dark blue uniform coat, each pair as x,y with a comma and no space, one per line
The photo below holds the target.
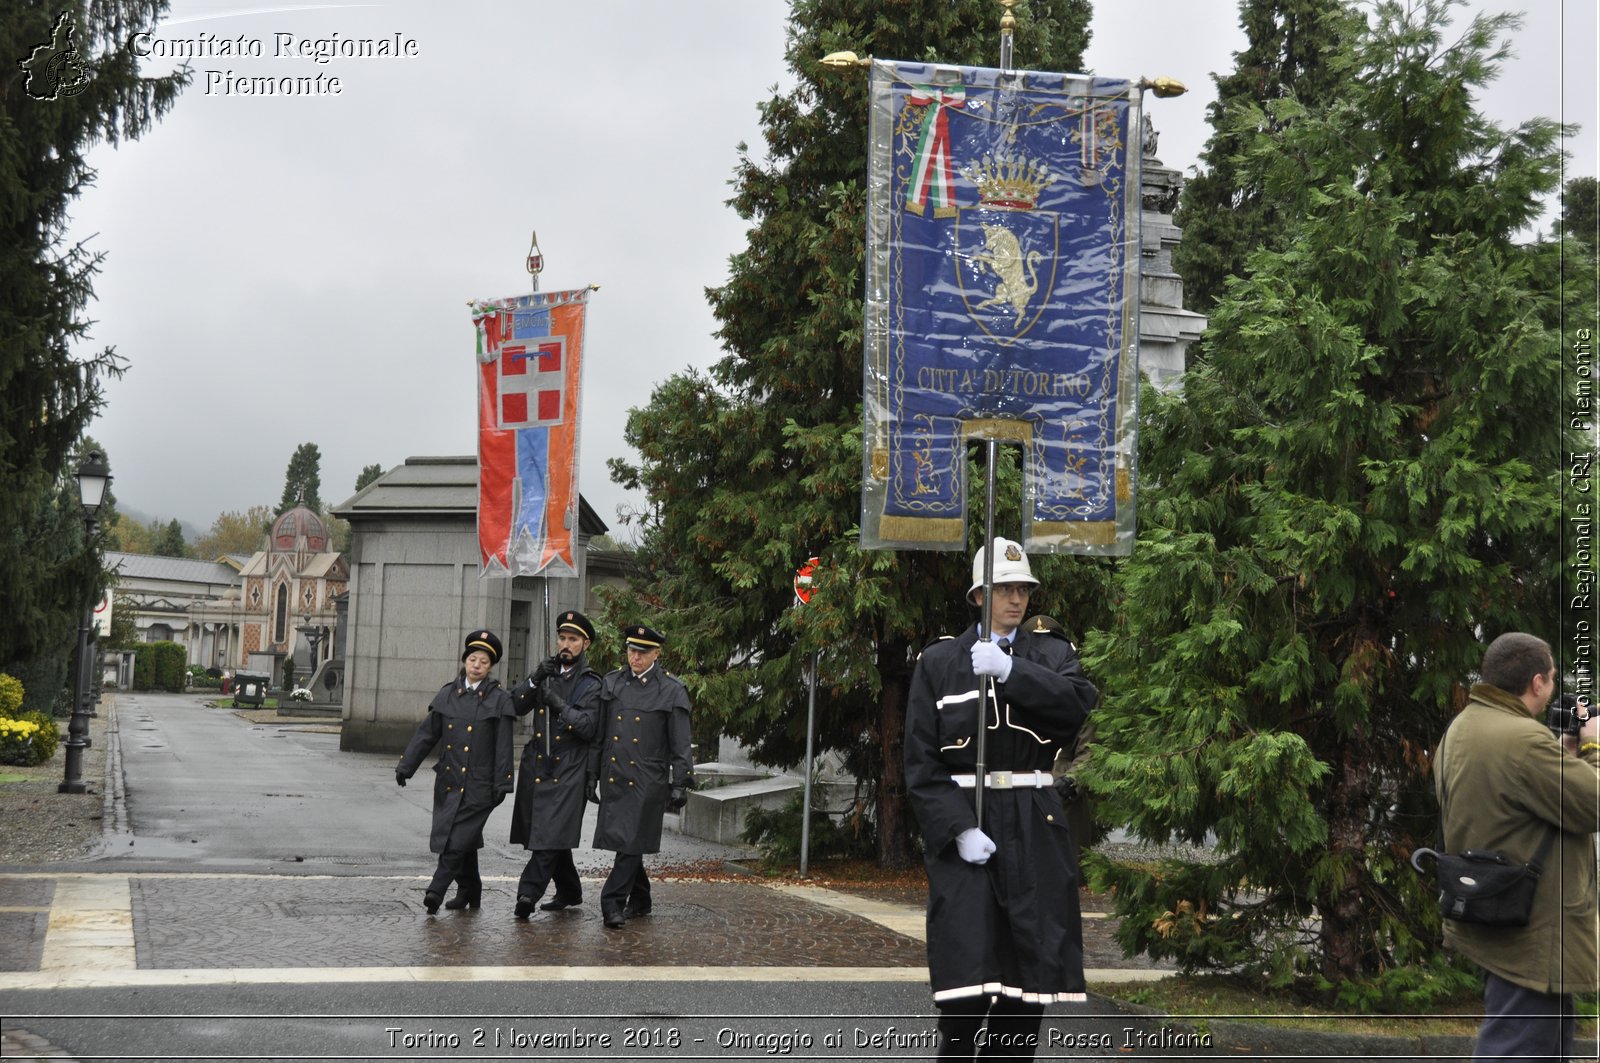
473,730
1010,926
548,813
643,752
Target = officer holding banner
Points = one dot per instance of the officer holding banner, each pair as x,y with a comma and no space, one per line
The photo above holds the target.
563,695
1004,937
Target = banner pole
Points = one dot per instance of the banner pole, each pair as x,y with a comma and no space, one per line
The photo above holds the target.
1008,23
811,729
549,719
991,450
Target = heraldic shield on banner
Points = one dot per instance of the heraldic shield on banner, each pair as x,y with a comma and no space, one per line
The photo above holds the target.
1002,302
530,369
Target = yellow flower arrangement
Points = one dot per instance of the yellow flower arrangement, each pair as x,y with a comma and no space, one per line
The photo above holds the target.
16,740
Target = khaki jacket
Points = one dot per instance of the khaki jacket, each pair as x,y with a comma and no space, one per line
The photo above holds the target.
1502,778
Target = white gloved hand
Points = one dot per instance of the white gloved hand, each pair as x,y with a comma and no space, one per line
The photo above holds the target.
974,846
989,659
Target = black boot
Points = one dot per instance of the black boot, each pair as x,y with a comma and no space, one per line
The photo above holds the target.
524,907
465,898
612,913
558,902
430,901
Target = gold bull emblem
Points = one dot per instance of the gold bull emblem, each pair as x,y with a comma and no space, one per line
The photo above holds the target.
1002,255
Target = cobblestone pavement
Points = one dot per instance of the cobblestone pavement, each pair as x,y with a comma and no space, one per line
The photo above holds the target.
368,922
118,924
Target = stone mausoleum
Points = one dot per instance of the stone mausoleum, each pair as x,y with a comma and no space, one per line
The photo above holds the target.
415,592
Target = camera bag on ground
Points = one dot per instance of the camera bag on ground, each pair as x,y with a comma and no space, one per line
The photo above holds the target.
1482,886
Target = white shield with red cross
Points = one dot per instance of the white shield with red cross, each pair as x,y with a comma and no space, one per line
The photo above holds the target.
531,382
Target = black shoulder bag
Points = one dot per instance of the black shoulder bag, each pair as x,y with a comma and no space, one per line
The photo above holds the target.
1481,885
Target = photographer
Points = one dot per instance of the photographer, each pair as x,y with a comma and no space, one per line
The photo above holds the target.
1503,782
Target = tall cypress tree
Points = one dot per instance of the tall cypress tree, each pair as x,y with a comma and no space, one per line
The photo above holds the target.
76,84
755,466
1224,214
302,480
1349,496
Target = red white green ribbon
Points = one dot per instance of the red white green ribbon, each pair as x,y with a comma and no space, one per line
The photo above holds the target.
932,174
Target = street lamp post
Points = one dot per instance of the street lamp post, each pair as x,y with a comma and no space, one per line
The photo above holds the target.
94,476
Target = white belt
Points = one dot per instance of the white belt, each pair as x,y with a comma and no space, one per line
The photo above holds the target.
1007,780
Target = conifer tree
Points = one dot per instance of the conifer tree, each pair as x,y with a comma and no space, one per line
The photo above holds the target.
1223,215
755,466
1348,498
70,84
367,475
170,541
1580,212
302,480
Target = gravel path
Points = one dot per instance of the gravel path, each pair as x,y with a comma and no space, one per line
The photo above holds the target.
41,825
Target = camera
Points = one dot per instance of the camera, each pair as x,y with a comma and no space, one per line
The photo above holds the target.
1568,714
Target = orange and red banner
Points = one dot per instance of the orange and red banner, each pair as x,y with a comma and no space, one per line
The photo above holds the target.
530,369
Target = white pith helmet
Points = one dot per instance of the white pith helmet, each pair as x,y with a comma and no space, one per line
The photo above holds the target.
1010,566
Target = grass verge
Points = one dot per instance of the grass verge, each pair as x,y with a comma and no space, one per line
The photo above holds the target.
1221,997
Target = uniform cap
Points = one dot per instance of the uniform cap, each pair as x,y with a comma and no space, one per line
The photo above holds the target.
485,641
1046,625
574,621
640,637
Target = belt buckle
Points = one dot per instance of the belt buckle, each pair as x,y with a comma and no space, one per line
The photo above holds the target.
1000,780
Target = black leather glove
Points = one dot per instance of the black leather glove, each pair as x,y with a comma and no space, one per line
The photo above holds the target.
555,702
677,798
548,667
592,789
1067,787
400,778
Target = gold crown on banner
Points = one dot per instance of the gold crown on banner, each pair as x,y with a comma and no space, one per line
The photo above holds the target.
1008,181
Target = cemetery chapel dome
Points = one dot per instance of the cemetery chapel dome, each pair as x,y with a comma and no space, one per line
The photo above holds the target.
295,525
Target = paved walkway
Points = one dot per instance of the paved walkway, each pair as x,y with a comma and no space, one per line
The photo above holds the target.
93,929
98,927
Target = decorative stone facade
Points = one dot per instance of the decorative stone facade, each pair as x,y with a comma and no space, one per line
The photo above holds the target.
287,593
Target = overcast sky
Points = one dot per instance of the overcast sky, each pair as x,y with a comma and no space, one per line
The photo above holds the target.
288,270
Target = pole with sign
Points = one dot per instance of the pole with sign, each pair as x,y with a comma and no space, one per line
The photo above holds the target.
802,595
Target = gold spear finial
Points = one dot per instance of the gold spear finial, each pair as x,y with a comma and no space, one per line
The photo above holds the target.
844,59
1008,21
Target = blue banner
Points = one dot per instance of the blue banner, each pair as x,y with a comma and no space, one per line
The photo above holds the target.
1002,301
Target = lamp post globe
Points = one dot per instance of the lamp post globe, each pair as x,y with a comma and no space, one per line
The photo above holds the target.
93,476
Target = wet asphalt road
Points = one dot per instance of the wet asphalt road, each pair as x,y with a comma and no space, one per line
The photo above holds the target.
205,790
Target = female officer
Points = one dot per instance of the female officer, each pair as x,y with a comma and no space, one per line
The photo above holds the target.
473,718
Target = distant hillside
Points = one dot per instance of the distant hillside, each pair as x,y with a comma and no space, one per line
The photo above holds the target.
191,532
